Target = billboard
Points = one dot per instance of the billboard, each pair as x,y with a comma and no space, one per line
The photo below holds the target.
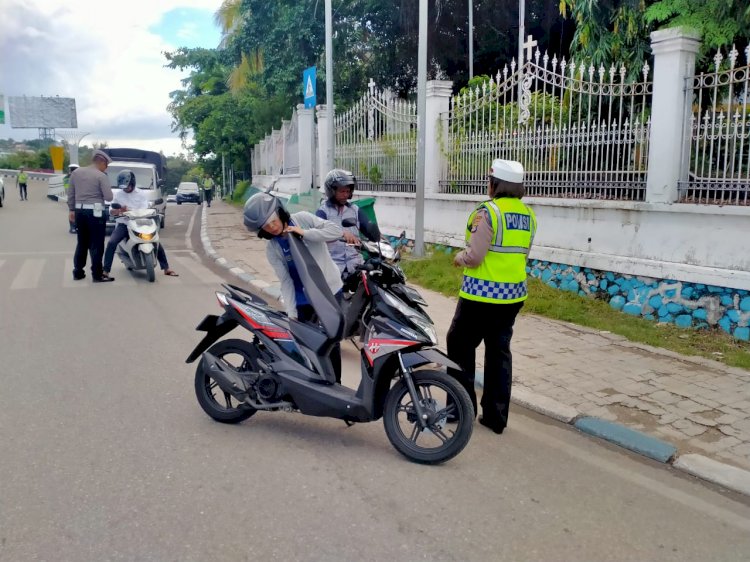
42,112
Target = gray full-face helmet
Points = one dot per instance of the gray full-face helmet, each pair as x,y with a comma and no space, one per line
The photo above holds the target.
259,209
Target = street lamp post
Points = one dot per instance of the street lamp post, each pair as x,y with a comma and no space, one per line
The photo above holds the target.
471,39
329,86
421,126
521,33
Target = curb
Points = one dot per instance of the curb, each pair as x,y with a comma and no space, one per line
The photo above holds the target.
272,291
725,475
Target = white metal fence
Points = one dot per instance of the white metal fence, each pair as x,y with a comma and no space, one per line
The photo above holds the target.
717,166
290,138
580,132
377,140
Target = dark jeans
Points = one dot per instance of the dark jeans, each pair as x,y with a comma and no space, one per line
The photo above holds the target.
91,231
306,313
473,322
22,190
119,234
208,194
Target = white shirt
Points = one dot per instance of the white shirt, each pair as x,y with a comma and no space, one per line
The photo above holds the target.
133,200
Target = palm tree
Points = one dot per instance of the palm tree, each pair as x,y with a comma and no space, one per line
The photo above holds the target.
229,18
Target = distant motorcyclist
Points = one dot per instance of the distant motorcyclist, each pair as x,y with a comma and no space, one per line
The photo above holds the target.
130,199
339,188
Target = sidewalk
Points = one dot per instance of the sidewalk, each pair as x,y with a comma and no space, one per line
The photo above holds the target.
697,410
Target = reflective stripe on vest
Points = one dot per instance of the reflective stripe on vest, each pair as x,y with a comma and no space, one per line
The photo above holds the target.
501,277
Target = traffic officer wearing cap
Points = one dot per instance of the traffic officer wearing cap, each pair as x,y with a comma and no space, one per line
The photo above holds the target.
89,189
499,234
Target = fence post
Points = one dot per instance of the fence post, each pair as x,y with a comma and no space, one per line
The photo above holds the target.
305,124
285,123
674,61
436,132
323,144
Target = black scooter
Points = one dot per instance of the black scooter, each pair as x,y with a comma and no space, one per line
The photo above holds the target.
427,414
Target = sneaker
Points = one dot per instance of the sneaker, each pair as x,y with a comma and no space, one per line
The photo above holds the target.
103,279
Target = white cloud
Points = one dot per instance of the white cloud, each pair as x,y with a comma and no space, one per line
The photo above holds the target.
103,55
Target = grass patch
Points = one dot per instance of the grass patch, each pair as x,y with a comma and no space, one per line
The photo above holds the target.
436,272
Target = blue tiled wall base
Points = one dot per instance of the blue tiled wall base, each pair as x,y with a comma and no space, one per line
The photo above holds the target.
661,300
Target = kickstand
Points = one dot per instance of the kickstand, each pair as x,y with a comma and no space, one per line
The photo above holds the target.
349,423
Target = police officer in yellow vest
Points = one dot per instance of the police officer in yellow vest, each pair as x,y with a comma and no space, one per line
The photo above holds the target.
499,234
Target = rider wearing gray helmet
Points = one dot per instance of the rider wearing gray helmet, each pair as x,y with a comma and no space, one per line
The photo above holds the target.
265,215
339,187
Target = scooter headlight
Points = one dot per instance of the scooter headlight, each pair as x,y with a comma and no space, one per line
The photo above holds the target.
145,235
415,317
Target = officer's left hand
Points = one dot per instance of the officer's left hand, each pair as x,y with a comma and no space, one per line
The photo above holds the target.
456,262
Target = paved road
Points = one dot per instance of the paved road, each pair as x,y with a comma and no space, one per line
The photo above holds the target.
105,454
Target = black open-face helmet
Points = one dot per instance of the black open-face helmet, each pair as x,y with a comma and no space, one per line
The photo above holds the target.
339,178
259,209
125,179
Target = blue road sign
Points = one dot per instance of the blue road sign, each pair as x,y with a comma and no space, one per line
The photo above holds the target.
309,88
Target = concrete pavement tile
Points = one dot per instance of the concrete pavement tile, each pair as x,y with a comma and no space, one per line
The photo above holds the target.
730,430
701,420
727,419
741,450
692,407
742,425
664,397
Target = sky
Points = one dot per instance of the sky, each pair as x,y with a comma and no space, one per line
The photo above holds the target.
108,55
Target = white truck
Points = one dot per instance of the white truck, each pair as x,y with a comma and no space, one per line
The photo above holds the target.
150,169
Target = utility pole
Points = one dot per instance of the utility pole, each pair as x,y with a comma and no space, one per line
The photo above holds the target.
521,33
421,129
471,39
329,86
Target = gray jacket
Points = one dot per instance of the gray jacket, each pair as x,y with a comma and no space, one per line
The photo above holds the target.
317,232
88,185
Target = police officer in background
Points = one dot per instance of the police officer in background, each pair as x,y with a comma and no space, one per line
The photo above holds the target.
89,189
499,234
208,190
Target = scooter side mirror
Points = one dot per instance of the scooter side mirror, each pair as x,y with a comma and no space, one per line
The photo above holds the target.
347,223
159,201
115,206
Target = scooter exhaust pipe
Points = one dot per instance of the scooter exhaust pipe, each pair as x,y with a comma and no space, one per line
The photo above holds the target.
227,378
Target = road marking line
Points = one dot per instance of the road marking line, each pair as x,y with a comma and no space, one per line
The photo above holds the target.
28,276
189,231
202,273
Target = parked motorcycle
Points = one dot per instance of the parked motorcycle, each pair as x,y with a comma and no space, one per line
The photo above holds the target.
138,251
427,414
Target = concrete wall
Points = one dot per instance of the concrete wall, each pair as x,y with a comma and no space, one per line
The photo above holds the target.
691,243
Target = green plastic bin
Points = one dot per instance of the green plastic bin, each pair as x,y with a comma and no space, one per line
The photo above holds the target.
368,208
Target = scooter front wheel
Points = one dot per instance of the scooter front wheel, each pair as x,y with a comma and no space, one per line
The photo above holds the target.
220,405
450,418
150,270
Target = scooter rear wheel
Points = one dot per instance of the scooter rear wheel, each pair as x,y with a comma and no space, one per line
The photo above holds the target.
449,427
218,404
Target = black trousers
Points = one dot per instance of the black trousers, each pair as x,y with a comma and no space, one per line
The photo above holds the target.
473,322
90,231
208,194
22,190
306,313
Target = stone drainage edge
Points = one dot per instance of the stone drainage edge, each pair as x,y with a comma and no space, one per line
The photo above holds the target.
727,476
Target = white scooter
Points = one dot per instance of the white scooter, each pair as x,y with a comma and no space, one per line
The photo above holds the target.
138,251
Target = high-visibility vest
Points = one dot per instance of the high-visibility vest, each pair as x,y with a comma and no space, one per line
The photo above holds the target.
22,177
501,277
208,184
